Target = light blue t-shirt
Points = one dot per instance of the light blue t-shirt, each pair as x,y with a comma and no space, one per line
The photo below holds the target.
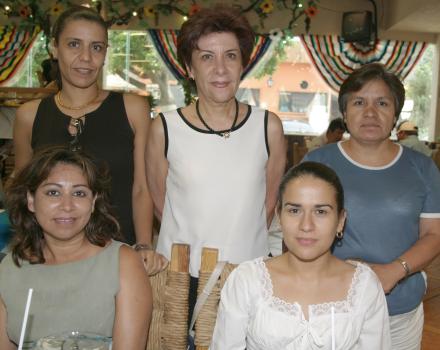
384,206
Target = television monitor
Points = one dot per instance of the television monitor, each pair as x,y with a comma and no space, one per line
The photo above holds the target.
357,26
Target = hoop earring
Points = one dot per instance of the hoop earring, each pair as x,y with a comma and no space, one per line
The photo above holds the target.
339,235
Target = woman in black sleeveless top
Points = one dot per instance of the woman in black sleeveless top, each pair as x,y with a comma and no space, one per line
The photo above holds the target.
113,127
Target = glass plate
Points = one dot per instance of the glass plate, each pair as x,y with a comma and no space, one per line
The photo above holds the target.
74,341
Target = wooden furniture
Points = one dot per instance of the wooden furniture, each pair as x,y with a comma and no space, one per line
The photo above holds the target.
169,322
298,153
296,149
15,96
205,322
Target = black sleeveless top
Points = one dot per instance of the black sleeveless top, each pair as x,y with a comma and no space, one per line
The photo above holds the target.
107,136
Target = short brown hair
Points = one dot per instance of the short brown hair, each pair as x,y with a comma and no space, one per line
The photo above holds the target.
27,240
217,19
368,72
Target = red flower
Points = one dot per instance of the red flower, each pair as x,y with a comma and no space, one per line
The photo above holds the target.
311,11
194,9
25,11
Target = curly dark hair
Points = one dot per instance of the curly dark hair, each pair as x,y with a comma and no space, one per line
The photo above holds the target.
28,240
215,19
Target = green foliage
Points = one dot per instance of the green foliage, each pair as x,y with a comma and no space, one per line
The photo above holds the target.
189,91
122,12
418,89
278,55
142,61
27,75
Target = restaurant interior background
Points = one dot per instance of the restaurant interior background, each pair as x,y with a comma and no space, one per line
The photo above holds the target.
286,79
296,72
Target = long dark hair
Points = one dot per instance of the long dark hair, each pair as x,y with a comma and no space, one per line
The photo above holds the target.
317,170
28,239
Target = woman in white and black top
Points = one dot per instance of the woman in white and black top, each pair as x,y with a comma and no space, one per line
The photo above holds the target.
214,166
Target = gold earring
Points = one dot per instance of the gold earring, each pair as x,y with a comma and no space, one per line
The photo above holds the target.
339,235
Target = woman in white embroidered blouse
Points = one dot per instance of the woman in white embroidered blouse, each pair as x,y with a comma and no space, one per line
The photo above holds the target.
306,298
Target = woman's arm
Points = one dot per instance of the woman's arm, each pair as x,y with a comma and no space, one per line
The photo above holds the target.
23,123
134,303
276,163
417,257
5,343
138,113
157,165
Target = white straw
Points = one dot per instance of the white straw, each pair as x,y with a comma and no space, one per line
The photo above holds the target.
25,318
333,328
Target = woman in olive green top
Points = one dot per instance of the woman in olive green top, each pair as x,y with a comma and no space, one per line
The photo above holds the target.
63,248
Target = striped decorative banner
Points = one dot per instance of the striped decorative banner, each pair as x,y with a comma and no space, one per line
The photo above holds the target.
336,59
165,42
14,46
262,43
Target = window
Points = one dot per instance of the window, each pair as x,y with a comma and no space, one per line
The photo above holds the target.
249,96
277,84
28,74
418,89
302,102
133,65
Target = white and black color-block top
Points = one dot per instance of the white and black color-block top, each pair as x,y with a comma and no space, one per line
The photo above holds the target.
216,189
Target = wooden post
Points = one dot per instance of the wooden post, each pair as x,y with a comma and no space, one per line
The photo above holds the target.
209,259
207,265
179,258
174,333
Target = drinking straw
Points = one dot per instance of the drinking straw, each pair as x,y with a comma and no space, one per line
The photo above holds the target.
333,328
25,318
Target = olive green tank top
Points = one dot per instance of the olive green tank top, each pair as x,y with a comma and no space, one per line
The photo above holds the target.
76,296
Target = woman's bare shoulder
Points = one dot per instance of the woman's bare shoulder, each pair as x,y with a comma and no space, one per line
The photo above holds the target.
136,101
126,252
129,259
31,105
28,110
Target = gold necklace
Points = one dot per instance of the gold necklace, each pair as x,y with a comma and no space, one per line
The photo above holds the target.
72,108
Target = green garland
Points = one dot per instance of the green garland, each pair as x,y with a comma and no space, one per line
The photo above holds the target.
30,13
149,13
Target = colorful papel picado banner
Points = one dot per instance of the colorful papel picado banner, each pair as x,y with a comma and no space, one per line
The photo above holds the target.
165,42
336,59
14,46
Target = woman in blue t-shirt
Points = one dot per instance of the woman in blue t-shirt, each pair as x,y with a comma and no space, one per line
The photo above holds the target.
392,197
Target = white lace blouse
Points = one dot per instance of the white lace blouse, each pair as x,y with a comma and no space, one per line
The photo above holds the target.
251,317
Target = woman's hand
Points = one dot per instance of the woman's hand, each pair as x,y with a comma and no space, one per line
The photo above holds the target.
153,262
389,274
